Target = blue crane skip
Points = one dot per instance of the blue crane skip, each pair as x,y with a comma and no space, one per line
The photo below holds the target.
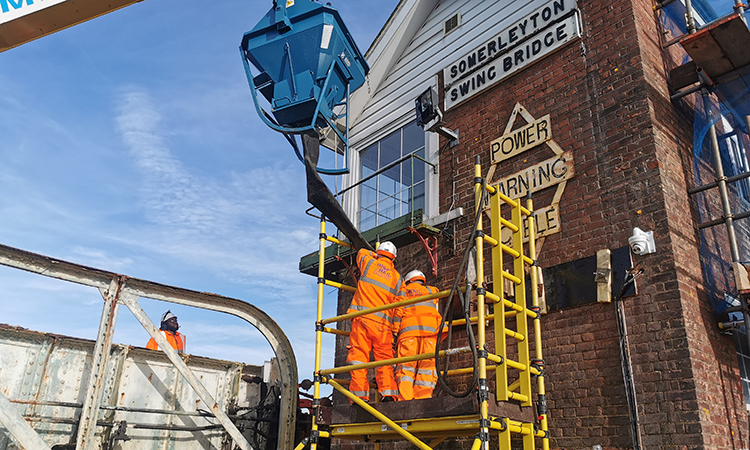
307,64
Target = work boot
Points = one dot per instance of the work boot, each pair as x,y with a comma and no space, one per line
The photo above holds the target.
388,398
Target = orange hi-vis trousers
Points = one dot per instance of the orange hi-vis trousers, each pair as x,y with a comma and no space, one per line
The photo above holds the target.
367,335
416,379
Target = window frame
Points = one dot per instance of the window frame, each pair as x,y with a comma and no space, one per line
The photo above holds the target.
352,198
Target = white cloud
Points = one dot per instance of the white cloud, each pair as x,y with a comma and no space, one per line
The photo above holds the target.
187,188
99,258
243,226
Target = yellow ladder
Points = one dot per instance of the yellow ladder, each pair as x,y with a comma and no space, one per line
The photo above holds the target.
507,312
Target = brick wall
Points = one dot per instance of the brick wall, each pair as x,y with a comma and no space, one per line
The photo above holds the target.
609,104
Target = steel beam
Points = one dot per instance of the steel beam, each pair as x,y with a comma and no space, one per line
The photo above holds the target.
86,439
100,279
21,431
131,301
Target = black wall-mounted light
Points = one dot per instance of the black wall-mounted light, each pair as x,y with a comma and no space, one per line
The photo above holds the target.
426,106
429,116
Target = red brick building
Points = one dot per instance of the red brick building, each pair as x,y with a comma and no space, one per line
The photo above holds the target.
573,102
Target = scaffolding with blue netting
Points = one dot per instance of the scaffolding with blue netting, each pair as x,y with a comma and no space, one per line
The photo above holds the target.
720,97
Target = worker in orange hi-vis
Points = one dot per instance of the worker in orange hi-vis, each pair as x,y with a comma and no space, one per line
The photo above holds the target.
417,333
379,284
168,328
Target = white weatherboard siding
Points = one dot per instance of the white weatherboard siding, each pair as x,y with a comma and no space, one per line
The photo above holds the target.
390,104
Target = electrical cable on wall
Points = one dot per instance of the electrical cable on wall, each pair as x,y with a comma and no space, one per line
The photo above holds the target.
627,372
462,271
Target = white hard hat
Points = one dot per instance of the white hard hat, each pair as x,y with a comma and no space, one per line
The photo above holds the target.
415,275
167,315
387,249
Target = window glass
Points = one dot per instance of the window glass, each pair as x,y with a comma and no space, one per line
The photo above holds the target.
369,159
387,210
418,197
387,186
369,194
367,218
387,196
390,151
413,138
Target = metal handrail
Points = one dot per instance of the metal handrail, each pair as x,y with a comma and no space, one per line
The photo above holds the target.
389,167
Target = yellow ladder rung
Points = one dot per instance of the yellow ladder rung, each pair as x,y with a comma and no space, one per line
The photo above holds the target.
509,362
519,397
340,286
495,358
488,317
515,335
511,277
491,189
529,313
515,364
465,370
491,296
508,200
335,331
514,204
508,224
514,424
510,251
339,242
393,361
507,303
490,240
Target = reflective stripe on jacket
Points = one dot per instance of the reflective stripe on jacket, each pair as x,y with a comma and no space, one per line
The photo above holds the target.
419,319
176,340
379,284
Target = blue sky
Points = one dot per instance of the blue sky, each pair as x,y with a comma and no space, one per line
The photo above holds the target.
130,143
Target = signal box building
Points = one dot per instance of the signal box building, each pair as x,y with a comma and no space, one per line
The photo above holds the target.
611,116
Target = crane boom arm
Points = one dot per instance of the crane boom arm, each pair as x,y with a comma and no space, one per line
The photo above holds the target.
22,21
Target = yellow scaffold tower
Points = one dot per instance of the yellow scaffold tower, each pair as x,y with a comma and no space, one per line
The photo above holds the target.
502,410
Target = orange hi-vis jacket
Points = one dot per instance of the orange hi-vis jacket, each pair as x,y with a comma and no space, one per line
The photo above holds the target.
379,284
419,319
176,340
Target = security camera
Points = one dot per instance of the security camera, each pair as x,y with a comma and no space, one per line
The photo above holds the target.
642,242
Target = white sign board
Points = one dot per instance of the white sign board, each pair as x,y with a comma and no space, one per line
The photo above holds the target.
537,177
509,38
520,140
13,9
511,61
